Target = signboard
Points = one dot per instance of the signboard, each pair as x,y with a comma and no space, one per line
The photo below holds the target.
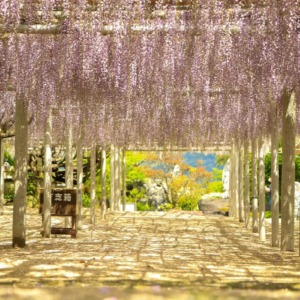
64,202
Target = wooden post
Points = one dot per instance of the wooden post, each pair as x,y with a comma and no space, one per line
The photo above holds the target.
275,181
241,206
112,178
21,146
261,189
103,183
93,183
79,180
288,171
47,178
246,180
254,187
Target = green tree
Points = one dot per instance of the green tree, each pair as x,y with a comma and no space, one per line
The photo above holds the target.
9,158
185,182
217,174
221,159
135,177
215,187
268,168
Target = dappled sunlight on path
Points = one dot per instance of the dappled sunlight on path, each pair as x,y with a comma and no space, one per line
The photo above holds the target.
152,249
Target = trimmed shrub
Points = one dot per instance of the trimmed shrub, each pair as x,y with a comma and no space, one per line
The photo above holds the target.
86,200
215,187
188,202
144,207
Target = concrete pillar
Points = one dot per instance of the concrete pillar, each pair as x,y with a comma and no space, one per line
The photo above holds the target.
47,177
288,171
246,184
1,176
21,147
69,166
103,183
233,205
69,158
79,156
124,180
230,192
261,189
254,187
241,207
117,178
236,180
112,177
93,184
275,181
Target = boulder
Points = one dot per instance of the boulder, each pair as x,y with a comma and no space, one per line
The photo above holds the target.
214,206
155,192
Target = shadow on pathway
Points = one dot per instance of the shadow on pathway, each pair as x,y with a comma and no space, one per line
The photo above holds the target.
147,255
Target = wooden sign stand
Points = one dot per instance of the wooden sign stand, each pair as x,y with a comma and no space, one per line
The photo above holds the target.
64,204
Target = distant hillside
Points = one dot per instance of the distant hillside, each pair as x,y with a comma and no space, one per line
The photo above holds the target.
191,158
209,160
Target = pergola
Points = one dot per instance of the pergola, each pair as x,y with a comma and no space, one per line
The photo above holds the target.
159,73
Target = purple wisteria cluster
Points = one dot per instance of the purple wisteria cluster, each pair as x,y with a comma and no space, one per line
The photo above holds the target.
159,72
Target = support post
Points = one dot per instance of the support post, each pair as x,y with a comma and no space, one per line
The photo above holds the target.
275,181
241,206
254,187
69,166
261,189
246,180
93,183
1,176
117,178
103,183
233,206
112,178
21,146
47,178
124,180
236,178
288,171
79,180
69,159
230,192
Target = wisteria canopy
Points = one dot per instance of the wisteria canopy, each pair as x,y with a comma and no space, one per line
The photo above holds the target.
150,72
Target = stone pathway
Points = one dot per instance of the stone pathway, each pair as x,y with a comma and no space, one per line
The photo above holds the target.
147,255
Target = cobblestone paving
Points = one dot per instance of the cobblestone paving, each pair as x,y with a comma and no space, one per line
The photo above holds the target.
147,255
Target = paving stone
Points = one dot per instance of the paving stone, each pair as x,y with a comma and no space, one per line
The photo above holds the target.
159,249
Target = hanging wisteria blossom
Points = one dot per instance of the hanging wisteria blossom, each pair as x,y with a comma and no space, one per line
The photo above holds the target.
185,73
